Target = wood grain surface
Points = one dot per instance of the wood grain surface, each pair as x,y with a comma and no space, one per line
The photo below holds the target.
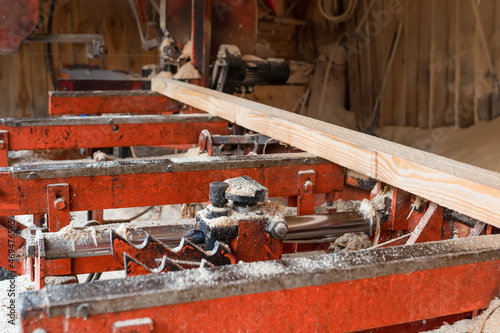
467,189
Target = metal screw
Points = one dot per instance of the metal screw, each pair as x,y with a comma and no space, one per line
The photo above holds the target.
59,204
83,310
31,175
2,144
280,230
169,168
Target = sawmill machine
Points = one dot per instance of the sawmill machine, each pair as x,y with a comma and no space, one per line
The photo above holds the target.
290,237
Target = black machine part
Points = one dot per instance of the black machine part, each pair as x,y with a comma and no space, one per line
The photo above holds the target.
232,74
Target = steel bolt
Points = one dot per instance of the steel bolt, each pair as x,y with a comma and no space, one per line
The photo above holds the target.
2,144
308,186
280,230
32,175
60,204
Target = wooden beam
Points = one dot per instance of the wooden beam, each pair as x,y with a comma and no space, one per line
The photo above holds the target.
467,189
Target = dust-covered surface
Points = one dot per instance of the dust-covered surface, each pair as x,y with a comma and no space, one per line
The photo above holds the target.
263,210
487,322
351,242
476,145
8,298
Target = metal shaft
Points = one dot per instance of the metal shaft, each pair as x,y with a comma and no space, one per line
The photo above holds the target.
75,243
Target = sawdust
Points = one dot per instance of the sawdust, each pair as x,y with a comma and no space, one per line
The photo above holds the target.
476,145
22,284
263,210
187,72
351,242
343,206
474,325
124,231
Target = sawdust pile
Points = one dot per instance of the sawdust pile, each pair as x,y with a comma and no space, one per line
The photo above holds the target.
351,242
487,322
187,72
476,145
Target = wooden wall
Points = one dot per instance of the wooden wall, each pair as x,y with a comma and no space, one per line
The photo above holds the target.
24,78
439,75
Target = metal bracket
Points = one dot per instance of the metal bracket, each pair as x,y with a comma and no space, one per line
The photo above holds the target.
58,206
305,196
95,43
4,148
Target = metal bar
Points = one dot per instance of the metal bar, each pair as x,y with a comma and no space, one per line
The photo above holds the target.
455,216
99,102
96,241
138,183
115,131
64,38
370,289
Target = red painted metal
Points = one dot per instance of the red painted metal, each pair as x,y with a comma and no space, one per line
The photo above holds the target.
338,307
118,135
254,243
19,19
4,148
20,196
134,101
305,197
10,243
102,85
432,226
58,206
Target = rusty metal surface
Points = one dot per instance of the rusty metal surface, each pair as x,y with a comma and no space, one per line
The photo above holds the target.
243,279
108,120
148,166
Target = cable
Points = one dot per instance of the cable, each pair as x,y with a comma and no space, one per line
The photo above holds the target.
346,15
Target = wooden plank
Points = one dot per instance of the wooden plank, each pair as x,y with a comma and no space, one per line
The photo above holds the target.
62,54
438,92
399,75
7,105
485,28
23,92
424,62
467,189
411,62
383,45
38,63
465,56
452,79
